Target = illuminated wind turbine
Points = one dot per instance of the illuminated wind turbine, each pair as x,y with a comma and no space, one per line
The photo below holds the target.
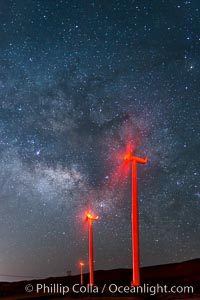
135,222
81,271
91,218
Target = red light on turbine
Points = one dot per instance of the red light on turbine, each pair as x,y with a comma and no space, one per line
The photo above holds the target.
91,217
128,157
82,264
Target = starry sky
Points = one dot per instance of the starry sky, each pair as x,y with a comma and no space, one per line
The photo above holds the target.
79,80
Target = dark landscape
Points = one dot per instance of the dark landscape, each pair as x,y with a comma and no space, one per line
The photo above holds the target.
179,274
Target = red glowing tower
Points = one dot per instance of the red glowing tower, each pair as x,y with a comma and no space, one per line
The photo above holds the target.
91,218
81,272
135,222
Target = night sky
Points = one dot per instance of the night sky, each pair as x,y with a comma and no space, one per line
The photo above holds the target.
79,80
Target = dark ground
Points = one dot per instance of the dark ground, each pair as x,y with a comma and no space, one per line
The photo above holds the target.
180,274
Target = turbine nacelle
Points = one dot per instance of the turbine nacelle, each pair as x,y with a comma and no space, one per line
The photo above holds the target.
91,217
129,157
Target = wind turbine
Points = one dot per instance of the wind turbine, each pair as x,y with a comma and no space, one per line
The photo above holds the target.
135,222
81,272
91,218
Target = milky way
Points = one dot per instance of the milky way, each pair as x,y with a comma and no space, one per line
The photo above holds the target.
78,81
